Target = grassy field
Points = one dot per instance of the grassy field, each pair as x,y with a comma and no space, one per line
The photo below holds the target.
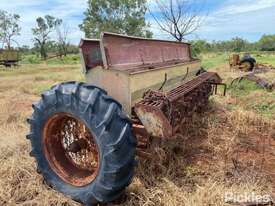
247,95
230,148
215,59
34,59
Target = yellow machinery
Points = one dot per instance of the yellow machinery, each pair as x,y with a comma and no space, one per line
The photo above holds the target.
246,63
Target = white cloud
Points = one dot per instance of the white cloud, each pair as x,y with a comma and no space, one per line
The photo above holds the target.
237,7
71,11
246,18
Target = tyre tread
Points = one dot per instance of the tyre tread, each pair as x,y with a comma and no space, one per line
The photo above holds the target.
96,106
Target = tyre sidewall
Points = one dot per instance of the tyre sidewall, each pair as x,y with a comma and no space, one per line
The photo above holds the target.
250,61
52,178
112,132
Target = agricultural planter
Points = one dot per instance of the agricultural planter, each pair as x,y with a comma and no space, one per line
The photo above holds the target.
85,136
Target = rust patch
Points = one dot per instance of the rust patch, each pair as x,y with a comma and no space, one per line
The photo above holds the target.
70,149
163,114
154,120
90,50
124,52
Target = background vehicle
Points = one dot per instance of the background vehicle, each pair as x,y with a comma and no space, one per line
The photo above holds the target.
246,63
9,58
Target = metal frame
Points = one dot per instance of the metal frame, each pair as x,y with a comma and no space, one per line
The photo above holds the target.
136,82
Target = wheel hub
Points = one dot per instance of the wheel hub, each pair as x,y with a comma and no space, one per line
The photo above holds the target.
78,145
70,149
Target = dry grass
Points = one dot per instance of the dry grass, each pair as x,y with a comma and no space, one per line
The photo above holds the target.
222,151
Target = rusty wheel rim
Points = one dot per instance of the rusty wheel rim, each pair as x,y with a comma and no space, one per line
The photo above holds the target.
245,66
70,149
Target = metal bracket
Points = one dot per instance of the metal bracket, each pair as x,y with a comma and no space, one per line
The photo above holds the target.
164,82
186,74
215,87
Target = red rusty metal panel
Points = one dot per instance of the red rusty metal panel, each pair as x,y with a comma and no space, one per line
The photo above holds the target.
153,119
124,52
90,49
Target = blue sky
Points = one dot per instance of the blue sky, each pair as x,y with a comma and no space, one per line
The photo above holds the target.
226,18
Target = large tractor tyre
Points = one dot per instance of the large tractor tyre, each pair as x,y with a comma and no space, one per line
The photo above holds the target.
248,64
83,143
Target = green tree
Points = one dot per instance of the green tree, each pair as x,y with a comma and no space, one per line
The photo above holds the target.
120,16
267,43
62,32
200,46
9,28
45,26
238,44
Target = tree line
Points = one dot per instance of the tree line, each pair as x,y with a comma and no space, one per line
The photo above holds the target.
178,18
237,44
42,35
